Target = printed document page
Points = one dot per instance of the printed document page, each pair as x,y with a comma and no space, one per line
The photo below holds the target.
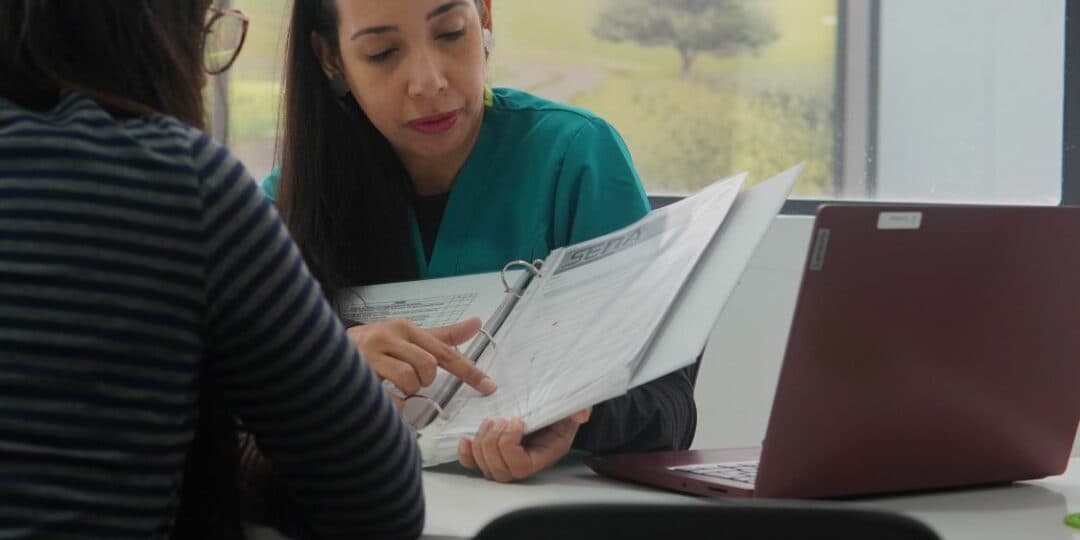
428,303
576,336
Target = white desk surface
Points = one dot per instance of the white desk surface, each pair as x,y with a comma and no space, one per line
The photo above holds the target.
459,505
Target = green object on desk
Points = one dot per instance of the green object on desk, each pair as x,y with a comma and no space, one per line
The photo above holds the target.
1073,520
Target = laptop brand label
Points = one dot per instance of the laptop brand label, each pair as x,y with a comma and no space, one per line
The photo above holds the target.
899,221
817,261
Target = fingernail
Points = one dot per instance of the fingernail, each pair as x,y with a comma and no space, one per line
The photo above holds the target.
487,386
461,447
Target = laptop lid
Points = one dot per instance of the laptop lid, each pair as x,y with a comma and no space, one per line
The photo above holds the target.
931,347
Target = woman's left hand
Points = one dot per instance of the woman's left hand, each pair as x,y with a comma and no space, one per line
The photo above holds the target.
502,453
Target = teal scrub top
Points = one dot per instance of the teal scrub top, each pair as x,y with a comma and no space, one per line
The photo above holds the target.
542,175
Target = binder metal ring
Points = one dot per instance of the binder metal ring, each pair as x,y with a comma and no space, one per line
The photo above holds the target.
533,267
491,340
393,390
390,388
434,404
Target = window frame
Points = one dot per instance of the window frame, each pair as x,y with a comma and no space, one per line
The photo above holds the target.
219,96
848,39
1070,155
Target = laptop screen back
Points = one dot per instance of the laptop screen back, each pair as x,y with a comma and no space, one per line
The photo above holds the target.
931,347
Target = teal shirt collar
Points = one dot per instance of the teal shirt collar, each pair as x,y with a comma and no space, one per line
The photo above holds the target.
461,207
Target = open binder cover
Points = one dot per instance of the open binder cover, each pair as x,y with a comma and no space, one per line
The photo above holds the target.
597,318
682,335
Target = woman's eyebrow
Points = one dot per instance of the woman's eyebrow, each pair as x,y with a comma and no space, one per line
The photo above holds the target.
372,30
444,8
390,28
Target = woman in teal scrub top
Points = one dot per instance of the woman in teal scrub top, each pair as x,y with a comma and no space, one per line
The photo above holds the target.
399,163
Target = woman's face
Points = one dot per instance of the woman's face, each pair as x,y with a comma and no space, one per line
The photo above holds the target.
416,68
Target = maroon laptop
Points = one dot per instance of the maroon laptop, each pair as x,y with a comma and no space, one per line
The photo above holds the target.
931,347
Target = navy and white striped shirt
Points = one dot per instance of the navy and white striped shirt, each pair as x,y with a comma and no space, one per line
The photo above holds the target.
136,255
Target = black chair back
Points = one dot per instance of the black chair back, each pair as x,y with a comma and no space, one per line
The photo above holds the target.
736,521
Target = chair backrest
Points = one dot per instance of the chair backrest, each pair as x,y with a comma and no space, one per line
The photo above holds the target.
660,201
736,521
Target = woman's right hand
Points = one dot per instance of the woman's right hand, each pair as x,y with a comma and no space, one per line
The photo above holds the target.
408,356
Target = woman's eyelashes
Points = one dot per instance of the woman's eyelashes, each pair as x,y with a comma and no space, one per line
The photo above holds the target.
452,35
389,52
382,56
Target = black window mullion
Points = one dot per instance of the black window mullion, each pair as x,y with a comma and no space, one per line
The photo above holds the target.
1070,165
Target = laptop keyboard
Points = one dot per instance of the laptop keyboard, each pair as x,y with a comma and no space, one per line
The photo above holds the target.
736,471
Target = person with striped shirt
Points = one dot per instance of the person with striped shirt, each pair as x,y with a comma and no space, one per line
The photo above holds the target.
141,269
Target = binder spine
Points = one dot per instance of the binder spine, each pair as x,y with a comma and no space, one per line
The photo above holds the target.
442,400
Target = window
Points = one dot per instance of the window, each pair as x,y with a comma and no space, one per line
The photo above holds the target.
900,100
761,99
970,99
253,86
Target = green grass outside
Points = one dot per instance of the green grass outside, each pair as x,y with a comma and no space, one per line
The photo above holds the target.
253,108
559,32
684,135
760,113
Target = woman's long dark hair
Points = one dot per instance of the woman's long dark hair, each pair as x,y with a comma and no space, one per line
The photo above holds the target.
344,193
133,57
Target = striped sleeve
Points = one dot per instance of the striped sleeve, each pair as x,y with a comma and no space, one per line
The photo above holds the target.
282,359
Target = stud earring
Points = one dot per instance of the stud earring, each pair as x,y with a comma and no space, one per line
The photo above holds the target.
338,86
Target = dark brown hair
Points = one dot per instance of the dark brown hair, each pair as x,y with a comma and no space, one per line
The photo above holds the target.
134,57
344,192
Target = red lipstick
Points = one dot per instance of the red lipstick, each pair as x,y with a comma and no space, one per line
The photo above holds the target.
435,124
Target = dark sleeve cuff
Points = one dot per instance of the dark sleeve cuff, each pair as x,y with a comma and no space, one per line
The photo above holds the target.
660,415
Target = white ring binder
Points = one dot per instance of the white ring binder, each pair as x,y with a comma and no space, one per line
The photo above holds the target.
419,414
533,267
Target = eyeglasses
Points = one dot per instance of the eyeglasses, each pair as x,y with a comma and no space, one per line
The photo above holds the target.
225,33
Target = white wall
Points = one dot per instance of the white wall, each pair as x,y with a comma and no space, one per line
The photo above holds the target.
971,100
738,374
